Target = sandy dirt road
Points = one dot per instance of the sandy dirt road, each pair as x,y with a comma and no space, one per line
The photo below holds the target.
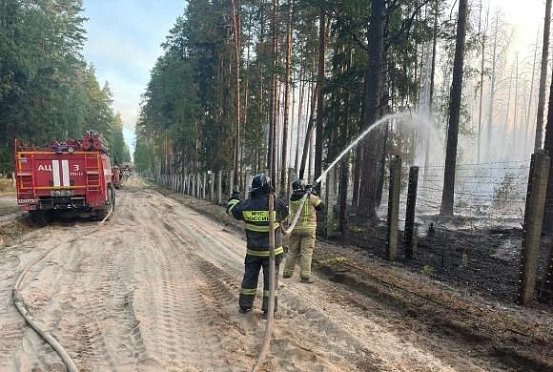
156,290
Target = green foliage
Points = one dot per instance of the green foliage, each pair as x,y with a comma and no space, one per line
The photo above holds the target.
188,110
119,149
47,91
427,270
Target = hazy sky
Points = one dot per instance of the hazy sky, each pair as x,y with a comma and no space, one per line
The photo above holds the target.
526,16
124,38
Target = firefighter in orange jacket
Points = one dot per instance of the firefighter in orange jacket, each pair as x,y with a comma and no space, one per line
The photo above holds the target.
255,213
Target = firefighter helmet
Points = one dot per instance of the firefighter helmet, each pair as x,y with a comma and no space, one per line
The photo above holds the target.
298,185
261,182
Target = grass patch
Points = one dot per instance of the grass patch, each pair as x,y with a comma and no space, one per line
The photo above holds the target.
332,260
6,185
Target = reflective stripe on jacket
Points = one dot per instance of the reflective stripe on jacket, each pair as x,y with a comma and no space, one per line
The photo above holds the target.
311,204
255,212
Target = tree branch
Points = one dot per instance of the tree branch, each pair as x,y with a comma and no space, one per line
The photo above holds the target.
407,23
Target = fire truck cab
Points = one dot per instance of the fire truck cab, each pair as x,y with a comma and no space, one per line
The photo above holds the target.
74,175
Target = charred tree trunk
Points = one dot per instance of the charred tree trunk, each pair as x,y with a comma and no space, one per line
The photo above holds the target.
543,76
448,195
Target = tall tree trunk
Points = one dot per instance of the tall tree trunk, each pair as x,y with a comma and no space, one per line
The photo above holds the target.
548,216
320,95
434,45
369,180
299,121
345,164
237,56
273,118
300,111
359,156
291,137
483,53
284,170
431,93
515,126
448,195
543,76
507,112
276,93
310,124
529,111
246,91
492,87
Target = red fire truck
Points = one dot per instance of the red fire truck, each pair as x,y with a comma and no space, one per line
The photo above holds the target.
73,175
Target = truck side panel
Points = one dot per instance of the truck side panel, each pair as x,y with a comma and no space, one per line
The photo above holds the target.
50,180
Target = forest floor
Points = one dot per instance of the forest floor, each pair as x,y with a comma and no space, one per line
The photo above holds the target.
484,261
156,289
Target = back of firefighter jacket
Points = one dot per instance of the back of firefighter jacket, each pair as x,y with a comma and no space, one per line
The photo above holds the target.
255,213
312,204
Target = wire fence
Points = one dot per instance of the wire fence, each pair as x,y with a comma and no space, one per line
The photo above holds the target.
478,249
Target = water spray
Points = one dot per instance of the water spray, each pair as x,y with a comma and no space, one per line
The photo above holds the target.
383,121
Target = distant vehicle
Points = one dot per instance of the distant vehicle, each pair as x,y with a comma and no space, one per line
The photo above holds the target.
125,171
116,176
73,175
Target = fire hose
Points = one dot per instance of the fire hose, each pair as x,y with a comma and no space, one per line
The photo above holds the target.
20,304
272,290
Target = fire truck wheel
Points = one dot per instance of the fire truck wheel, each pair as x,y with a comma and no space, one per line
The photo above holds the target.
40,217
112,196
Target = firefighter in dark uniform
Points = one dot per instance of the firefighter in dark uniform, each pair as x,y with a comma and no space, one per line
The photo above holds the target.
255,213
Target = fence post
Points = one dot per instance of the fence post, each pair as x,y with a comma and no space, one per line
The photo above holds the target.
184,181
204,189
189,190
198,185
220,187
211,186
330,198
409,238
533,221
393,208
231,183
